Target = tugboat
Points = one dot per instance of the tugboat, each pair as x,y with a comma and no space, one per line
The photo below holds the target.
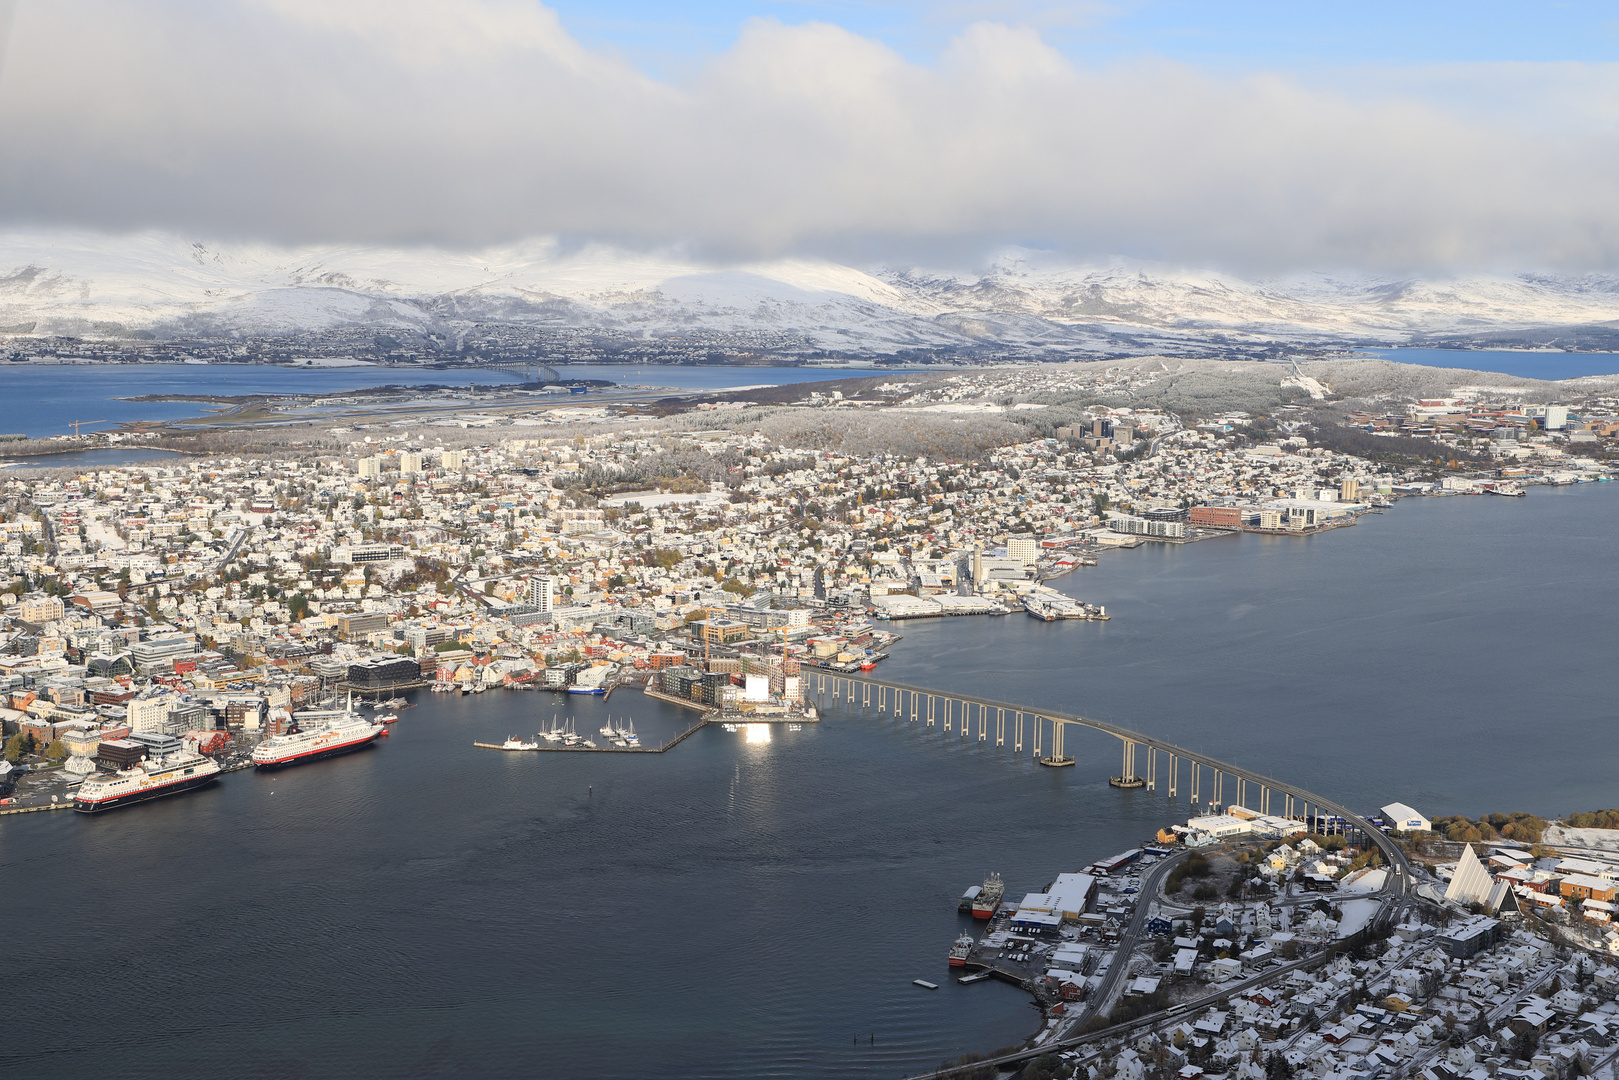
988,901
960,950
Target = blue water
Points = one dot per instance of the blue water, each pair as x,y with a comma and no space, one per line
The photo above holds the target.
107,458
427,909
47,398
1526,365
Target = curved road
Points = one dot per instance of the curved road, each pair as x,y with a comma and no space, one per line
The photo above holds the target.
1394,895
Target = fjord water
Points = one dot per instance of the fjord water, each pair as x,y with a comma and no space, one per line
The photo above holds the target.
741,909
1524,363
57,394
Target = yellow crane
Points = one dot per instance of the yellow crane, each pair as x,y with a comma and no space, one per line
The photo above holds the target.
77,424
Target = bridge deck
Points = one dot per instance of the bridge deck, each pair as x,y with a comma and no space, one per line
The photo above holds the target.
1390,849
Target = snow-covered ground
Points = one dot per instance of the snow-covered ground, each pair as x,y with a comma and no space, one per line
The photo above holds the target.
1357,913
103,286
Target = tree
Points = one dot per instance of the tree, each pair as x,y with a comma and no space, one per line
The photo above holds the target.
18,747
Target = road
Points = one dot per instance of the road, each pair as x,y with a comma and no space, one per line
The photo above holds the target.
1151,882
1399,877
1098,1001
1169,1015
1417,1061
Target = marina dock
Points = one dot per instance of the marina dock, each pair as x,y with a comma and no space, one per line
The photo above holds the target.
549,748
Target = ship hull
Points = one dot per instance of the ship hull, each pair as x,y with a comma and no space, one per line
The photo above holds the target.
146,795
984,912
591,690
317,755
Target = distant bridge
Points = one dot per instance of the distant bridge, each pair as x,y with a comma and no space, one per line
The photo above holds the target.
1199,773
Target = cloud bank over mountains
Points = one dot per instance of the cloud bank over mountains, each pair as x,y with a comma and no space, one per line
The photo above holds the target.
469,123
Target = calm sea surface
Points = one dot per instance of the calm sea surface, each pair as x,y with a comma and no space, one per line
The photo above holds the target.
1526,365
57,395
736,909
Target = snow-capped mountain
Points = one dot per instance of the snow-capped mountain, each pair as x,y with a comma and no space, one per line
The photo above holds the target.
153,285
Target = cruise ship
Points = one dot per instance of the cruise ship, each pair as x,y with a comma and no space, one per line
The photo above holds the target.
164,774
316,736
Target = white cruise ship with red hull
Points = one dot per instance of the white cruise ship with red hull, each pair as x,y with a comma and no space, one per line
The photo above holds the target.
313,739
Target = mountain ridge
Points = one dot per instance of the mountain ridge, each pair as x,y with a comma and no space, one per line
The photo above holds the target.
159,286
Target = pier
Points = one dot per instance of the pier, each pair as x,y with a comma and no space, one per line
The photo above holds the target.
550,748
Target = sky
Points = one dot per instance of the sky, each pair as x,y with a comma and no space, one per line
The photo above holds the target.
1251,137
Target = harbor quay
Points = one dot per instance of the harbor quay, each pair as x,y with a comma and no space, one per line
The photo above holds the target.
229,593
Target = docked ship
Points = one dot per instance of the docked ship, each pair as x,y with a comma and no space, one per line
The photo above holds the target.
164,774
1050,606
592,680
316,736
961,950
988,900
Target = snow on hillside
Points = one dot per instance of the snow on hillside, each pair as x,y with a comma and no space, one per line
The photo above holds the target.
99,286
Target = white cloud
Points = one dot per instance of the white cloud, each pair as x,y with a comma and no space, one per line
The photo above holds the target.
482,121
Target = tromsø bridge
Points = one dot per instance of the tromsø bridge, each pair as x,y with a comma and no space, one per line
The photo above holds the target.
1147,762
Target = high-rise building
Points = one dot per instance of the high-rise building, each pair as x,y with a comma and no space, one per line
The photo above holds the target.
409,464
542,592
453,460
1025,549
1556,417
370,468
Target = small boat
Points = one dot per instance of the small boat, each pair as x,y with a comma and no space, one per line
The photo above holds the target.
961,950
609,730
631,739
924,984
587,744
385,718
514,743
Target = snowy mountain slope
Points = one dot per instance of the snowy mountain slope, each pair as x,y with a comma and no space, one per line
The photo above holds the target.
99,286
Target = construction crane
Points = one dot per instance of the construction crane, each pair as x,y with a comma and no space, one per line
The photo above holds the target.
77,424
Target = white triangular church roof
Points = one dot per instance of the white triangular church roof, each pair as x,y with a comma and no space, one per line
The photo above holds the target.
1471,883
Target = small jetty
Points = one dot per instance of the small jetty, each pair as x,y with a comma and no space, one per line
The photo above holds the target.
580,748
